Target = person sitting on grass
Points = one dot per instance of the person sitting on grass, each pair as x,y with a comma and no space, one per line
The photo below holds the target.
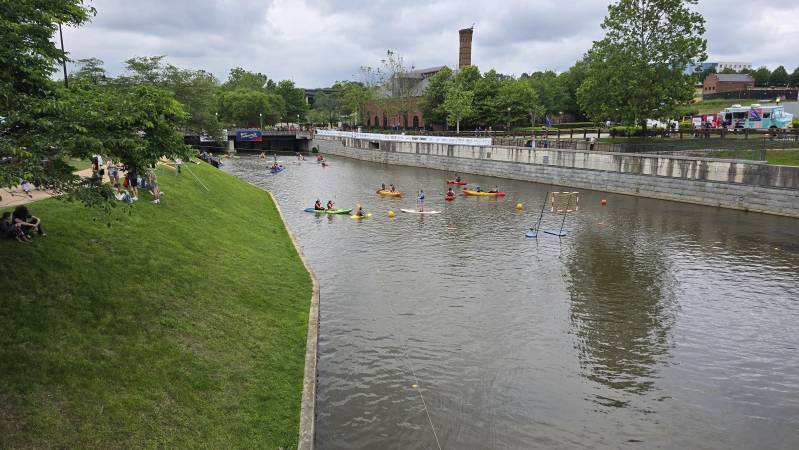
122,194
8,229
26,221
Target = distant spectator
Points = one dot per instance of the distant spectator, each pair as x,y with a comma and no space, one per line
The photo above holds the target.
26,187
132,180
178,163
113,172
10,230
152,182
27,222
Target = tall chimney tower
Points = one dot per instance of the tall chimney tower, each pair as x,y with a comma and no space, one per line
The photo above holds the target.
465,54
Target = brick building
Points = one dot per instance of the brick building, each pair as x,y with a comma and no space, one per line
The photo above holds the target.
718,82
400,103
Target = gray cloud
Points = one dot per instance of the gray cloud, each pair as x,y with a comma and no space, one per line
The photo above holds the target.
315,42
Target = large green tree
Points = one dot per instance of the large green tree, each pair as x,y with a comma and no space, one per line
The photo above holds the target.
793,79
458,103
293,99
434,96
636,71
29,147
779,77
762,76
249,108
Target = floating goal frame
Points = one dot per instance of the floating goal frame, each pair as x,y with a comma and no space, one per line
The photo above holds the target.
555,200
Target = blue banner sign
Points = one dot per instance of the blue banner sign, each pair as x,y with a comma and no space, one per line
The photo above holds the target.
248,135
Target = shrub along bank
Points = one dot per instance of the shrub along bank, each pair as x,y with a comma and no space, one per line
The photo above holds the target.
182,325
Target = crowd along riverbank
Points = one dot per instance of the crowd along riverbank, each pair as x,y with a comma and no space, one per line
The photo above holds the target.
181,325
735,184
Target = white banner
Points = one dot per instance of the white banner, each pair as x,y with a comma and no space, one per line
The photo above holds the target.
406,138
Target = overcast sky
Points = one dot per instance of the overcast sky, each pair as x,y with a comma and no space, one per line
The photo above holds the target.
316,42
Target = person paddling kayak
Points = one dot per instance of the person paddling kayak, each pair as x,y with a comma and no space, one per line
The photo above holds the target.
457,178
450,193
382,187
360,212
391,188
330,205
318,205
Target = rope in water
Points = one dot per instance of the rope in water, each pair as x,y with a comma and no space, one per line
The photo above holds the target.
409,363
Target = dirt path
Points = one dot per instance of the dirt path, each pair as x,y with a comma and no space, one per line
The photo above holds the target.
15,196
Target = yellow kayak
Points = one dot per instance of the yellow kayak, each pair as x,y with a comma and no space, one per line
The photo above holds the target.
389,193
483,194
367,216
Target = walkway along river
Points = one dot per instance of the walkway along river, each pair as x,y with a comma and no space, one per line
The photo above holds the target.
653,324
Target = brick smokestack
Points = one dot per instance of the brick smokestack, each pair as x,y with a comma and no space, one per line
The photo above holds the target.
465,54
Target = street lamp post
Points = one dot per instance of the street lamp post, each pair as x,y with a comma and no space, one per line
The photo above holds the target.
508,129
261,120
63,57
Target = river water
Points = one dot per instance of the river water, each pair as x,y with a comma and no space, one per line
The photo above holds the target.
652,324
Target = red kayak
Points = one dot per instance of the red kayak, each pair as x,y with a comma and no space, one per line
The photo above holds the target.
459,183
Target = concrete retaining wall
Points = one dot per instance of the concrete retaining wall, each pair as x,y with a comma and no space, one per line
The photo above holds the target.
736,184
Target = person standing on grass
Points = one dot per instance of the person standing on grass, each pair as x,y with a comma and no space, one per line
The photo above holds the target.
113,172
178,163
132,178
153,183
26,221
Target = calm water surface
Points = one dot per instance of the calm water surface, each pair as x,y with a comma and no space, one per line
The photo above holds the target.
651,325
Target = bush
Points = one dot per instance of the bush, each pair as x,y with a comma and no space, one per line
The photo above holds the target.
625,131
796,122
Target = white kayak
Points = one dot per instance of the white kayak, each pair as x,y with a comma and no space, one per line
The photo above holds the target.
413,211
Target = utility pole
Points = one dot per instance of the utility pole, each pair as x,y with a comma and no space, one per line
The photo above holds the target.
63,57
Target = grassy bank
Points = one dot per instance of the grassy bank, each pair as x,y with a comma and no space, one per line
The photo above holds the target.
183,325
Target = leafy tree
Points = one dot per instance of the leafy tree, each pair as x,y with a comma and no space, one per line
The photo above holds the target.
241,107
636,71
570,81
197,91
489,108
145,70
29,148
243,79
91,69
434,96
328,106
729,71
793,79
294,99
458,104
355,96
762,76
779,77
527,99
550,91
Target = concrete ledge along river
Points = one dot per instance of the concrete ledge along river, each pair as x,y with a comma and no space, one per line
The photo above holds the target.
652,324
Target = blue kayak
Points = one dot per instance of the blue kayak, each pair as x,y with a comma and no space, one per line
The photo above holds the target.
278,170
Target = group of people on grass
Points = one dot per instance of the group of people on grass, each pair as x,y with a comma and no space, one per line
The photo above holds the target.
20,225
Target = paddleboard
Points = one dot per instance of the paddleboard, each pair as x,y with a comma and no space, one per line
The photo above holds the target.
413,211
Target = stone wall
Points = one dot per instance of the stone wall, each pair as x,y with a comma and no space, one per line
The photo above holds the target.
743,185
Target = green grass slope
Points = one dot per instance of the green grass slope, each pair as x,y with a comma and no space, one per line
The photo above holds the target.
183,325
